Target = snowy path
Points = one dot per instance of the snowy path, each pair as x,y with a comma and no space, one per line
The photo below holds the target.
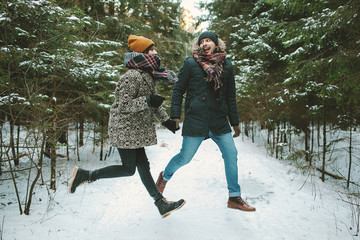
289,205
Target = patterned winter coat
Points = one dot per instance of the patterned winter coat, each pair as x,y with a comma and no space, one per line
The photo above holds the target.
131,122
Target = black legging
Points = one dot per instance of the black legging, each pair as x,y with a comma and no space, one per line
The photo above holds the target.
131,159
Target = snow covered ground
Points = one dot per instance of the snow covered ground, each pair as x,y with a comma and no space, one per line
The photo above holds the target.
289,205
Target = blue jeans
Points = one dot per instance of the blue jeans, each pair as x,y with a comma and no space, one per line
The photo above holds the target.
227,147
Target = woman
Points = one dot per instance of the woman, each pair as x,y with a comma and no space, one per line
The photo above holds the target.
131,123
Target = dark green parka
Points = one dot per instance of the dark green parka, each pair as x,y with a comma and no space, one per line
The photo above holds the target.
204,110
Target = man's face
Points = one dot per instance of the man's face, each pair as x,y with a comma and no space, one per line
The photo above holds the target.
207,46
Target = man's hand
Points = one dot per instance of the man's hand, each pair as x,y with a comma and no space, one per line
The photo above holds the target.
171,125
177,122
237,131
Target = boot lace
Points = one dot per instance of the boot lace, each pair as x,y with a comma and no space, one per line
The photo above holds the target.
239,200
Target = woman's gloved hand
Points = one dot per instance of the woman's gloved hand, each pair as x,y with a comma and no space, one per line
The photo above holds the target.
171,76
154,100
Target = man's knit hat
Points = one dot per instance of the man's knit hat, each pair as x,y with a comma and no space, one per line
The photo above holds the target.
209,34
138,43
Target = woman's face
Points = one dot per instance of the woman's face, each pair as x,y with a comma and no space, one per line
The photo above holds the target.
207,46
152,51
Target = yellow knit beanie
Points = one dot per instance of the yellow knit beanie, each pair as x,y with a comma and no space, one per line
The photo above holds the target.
138,43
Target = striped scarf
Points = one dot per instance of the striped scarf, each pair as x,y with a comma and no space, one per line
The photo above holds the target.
146,62
213,65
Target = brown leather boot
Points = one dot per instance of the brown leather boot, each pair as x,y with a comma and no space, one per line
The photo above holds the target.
239,203
161,182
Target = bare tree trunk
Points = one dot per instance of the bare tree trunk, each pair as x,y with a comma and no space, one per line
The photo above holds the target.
39,170
252,132
77,143
307,148
14,182
324,145
284,133
101,148
67,146
273,142
318,133
51,147
53,140
94,138
108,154
246,129
12,141
102,136
11,116
53,169
17,140
290,134
277,142
312,139
81,129
318,139
350,157
1,146
54,133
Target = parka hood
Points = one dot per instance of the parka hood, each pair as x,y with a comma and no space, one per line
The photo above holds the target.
220,47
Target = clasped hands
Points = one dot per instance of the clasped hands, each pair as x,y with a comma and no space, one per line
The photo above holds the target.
155,101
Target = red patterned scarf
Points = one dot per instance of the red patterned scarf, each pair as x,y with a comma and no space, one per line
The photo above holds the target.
212,64
146,62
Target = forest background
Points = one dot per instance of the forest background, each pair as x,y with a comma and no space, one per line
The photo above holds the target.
296,65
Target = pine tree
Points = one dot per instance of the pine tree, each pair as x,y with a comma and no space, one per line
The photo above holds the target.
295,61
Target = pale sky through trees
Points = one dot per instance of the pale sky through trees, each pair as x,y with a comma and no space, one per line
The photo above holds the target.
193,12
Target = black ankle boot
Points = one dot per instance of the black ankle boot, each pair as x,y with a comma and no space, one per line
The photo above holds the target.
166,207
79,177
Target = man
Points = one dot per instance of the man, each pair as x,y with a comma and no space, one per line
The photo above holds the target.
207,78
